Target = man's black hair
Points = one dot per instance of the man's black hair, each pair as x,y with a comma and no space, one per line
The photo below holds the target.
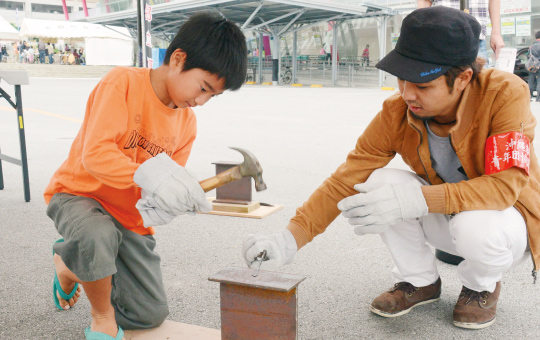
214,44
537,35
476,66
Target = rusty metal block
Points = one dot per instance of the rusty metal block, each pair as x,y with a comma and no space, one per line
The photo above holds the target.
261,307
238,192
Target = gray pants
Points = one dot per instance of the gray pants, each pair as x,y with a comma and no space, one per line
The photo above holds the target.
96,245
534,84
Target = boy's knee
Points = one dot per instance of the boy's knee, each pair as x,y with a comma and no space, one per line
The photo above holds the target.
146,315
157,315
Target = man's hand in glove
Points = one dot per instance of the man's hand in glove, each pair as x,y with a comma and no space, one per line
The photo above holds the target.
171,186
280,249
378,206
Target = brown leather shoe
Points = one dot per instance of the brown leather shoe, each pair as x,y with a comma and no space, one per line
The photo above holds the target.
476,310
403,297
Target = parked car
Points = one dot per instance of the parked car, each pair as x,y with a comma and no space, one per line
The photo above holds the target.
521,58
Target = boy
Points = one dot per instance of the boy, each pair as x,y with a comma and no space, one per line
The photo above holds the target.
95,197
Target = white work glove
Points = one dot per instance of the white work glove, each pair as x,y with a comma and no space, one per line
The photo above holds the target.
280,249
378,206
173,188
151,214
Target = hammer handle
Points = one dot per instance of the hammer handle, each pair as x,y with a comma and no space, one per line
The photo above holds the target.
227,176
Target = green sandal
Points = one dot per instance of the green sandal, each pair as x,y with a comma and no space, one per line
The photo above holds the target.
102,336
58,289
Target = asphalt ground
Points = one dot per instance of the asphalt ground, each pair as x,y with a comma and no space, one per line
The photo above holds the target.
299,135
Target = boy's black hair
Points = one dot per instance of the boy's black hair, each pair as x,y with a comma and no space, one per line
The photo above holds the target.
214,44
537,35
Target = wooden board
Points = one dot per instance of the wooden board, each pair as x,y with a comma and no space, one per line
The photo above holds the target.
261,212
239,208
171,330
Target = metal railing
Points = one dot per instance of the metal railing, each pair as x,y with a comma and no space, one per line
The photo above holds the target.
317,70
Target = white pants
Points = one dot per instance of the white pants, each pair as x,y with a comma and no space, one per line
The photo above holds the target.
490,241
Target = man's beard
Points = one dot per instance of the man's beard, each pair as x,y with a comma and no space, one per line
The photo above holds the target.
426,119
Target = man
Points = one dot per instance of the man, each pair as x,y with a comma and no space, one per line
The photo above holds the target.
50,50
41,50
478,9
466,134
534,77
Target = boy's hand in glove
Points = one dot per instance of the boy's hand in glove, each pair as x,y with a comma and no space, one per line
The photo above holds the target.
378,206
172,188
152,215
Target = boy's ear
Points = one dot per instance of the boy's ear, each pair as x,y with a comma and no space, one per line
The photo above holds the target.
178,58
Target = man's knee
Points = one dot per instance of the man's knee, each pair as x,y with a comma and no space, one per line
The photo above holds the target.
388,175
475,233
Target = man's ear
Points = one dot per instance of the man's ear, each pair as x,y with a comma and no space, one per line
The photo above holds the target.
178,59
463,79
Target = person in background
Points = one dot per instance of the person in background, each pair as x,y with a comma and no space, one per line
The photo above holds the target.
534,77
82,59
478,9
322,52
50,50
328,52
30,54
22,52
16,51
41,49
76,56
365,56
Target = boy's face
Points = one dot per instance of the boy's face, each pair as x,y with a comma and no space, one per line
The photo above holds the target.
191,88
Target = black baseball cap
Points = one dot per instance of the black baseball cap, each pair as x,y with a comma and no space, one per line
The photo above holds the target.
432,41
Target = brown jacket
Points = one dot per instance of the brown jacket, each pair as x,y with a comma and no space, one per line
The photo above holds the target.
496,102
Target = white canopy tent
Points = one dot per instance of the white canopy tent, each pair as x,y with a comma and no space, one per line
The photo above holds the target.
104,45
7,32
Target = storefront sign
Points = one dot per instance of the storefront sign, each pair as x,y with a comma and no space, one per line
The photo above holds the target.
394,38
523,26
508,26
515,6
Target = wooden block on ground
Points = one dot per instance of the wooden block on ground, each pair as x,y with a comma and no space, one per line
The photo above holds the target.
239,208
171,330
261,212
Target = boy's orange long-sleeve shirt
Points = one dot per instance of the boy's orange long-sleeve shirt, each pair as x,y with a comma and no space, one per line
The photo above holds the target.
125,124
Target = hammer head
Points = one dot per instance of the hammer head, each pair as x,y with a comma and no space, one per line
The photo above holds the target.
251,167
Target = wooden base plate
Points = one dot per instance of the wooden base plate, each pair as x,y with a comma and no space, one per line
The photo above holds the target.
260,212
238,208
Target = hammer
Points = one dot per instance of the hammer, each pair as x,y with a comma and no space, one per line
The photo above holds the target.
250,167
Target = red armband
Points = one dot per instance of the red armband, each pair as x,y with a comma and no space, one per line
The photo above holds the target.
506,150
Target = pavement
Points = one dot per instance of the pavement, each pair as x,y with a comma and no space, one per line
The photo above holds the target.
299,135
